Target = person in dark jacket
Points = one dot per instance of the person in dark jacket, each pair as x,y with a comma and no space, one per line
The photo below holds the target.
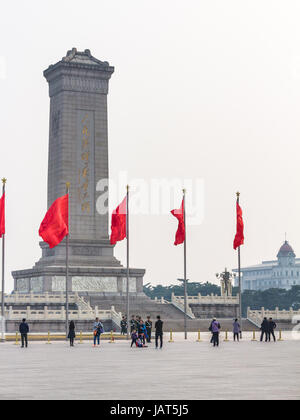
264,329
159,332
148,324
134,337
24,330
72,334
272,326
132,324
123,325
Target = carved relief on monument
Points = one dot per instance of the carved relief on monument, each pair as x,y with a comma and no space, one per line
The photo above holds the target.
94,284
58,284
85,163
36,284
23,285
132,285
55,122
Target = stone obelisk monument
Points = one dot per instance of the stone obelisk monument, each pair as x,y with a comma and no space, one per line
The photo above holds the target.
78,153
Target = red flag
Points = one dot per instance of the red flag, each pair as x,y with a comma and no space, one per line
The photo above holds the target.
118,223
55,225
2,215
180,234
239,237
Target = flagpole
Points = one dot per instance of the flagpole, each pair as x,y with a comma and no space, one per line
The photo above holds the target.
67,269
3,276
127,270
185,280
239,274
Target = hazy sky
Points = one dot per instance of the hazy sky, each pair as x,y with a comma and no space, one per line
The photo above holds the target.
205,90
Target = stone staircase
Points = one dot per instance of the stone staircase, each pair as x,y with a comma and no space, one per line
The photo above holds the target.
172,316
139,305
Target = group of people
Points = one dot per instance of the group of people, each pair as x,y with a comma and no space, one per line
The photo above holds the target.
267,329
141,332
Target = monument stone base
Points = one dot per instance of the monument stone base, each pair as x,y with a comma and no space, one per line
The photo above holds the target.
92,270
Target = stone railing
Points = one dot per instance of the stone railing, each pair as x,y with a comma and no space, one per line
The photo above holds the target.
54,315
210,299
116,316
256,316
161,300
33,298
178,302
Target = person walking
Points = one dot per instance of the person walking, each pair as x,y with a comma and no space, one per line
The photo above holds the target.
24,330
236,330
272,326
149,329
71,334
134,337
158,332
98,330
264,329
215,327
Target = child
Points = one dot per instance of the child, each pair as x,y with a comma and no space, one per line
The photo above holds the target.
134,337
139,342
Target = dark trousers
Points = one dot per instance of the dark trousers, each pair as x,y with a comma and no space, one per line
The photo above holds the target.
123,331
236,335
149,335
216,338
71,341
133,341
24,339
142,337
273,335
262,335
160,337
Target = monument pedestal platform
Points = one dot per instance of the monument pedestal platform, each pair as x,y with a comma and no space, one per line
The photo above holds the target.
83,280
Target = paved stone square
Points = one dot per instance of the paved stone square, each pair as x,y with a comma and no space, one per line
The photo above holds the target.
182,370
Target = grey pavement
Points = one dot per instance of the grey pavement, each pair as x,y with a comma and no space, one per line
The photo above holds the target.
182,370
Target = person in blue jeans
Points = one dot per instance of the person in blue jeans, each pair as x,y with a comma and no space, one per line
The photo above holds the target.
98,330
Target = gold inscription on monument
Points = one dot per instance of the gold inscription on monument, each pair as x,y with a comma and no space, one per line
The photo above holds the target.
84,197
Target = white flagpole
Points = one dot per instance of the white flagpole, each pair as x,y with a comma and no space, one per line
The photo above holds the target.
240,281
185,279
3,276
67,270
127,271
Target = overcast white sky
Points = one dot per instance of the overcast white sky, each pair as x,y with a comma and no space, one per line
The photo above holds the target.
201,90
